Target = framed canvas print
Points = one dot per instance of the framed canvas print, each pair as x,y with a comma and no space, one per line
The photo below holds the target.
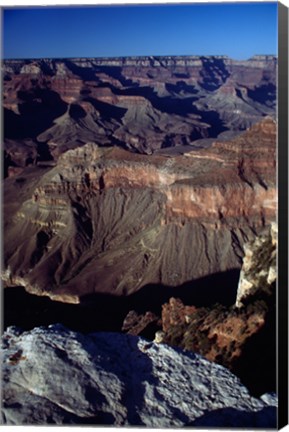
144,215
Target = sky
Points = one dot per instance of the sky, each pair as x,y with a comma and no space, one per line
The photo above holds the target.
238,30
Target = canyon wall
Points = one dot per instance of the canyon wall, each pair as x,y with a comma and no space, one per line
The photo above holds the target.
105,220
126,172
144,104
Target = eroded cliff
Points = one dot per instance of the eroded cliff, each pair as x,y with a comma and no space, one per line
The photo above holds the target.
111,221
144,104
243,334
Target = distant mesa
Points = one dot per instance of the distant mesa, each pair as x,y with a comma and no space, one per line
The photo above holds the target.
120,169
144,104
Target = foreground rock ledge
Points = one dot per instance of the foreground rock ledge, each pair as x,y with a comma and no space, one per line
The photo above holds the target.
56,376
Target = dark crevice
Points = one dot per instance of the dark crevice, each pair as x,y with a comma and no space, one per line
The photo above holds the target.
116,72
43,152
106,312
38,109
214,73
76,112
106,110
42,239
264,94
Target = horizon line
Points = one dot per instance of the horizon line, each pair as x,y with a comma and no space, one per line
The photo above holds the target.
147,56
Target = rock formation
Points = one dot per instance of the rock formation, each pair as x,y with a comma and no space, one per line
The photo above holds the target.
135,324
127,179
53,376
143,104
111,221
243,333
258,273
118,166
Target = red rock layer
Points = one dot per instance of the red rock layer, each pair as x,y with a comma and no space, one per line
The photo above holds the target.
107,220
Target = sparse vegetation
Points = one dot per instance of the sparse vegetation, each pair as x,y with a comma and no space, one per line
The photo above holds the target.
220,332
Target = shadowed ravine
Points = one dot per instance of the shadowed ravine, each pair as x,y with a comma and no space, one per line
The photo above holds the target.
100,312
131,187
107,312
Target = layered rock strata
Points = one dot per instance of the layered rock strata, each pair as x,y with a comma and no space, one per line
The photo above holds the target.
107,220
144,104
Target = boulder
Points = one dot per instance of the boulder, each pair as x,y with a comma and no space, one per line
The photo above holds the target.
56,376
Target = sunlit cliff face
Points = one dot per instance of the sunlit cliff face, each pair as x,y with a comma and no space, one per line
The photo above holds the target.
221,203
189,191
105,219
231,179
204,184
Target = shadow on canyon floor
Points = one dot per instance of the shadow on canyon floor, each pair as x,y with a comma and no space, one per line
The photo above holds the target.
98,312
103,312
257,364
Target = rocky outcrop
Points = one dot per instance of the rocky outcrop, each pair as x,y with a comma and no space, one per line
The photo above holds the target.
138,324
219,333
258,273
242,333
96,200
127,178
111,221
144,104
56,376
175,313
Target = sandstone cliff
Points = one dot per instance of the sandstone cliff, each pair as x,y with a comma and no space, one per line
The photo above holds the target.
143,104
107,220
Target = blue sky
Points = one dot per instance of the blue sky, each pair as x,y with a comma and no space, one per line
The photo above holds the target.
238,30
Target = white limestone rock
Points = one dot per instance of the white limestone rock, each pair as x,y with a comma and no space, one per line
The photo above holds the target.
57,376
258,271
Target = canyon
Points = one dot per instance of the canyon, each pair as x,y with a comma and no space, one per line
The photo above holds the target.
144,104
137,194
105,220
229,335
153,384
